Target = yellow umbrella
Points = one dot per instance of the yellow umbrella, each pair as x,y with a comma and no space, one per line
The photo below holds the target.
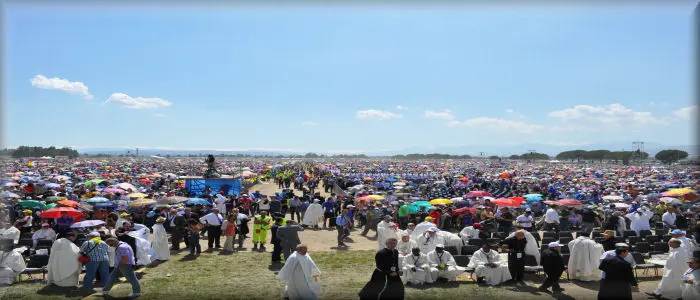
376,197
136,195
142,202
681,191
440,201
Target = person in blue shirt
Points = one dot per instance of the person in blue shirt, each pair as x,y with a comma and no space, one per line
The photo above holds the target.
342,224
329,213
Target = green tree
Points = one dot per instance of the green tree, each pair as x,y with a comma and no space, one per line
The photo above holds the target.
671,155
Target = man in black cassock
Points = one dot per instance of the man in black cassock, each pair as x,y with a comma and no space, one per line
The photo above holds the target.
386,282
516,255
618,280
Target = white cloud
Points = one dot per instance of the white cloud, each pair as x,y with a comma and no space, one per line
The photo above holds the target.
498,124
609,115
686,112
399,107
159,115
72,87
377,114
308,123
127,101
446,114
510,111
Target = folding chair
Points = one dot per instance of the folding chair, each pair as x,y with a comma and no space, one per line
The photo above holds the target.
641,264
469,249
531,265
645,233
564,240
452,250
463,261
566,234
475,242
549,234
661,247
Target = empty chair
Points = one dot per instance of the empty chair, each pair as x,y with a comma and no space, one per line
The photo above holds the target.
633,239
666,237
25,242
581,233
645,233
599,240
469,249
531,265
619,239
641,264
642,247
547,240
476,242
629,233
452,250
651,239
499,235
661,247
549,234
565,240
565,249
566,234
462,260
493,241
596,234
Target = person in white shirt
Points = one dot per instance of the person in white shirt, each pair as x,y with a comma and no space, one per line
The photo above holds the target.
213,221
669,218
551,219
690,281
686,243
429,240
221,202
640,219
416,268
9,232
676,265
405,245
487,266
45,233
525,220
445,263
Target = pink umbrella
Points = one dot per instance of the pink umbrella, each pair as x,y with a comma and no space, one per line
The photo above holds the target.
473,194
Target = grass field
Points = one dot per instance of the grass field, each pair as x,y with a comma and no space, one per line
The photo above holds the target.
250,276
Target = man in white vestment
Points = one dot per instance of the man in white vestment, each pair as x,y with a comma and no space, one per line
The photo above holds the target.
11,264
220,202
405,246
686,243
416,268
386,229
421,228
302,276
676,266
429,240
531,245
45,233
690,282
640,219
584,259
469,232
488,267
9,232
313,214
64,269
621,224
159,243
143,247
445,263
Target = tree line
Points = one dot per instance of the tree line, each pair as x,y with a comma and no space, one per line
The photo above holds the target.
26,151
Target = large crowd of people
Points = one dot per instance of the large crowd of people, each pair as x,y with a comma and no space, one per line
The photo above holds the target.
434,220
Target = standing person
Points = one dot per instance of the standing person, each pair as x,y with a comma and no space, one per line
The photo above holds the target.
98,251
386,281
261,224
276,247
516,255
123,265
342,224
588,219
241,227
505,220
329,212
525,220
640,219
386,229
294,205
690,282
403,215
63,268
213,220
669,218
553,266
302,276
194,228
675,267
177,225
313,214
159,243
617,283
63,223
551,219
288,237
229,231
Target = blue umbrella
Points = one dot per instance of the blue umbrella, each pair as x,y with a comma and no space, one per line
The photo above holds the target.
104,205
197,201
533,197
97,200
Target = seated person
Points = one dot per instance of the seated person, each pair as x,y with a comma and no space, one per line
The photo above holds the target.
45,233
445,263
488,267
11,265
7,231
416,268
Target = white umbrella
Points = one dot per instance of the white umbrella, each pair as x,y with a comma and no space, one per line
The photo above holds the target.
612,198
670,200
622,205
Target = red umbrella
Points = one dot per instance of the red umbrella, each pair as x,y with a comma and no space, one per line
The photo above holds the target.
464,210
57,211
550,202
569,202
506,202
521,199
473,194
464,179
69,203
144,180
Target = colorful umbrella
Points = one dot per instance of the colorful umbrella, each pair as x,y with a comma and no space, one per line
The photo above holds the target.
97,200
57,212
463,210
32,204
506,202
68,203
52,205
197,201
86,224
473,194
569,202
440,201
142,202
137,195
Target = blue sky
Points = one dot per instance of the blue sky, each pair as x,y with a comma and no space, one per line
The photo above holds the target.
338,79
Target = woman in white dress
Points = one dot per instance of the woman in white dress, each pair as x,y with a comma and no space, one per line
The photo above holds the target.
159,243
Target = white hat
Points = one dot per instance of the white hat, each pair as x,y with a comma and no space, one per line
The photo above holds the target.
93,234
528,209
621,245
555,244
432,229
439,246
351,206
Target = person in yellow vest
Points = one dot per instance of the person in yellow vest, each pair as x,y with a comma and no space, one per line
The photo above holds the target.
261,224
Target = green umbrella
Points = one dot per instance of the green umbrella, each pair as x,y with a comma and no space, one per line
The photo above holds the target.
53,198
32,204
415,206
94,181
52,205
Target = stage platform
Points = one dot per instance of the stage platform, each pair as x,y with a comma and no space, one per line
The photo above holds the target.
228,184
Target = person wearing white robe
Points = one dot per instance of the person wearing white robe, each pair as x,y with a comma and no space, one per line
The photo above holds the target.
690,281
11,264
469,232
676,265
159,243
621,225
420,229
429,240
221,203
302,276
640,219
416,268
405,246
313,214
63,268
584,259
143,252
488,267
445,263
531,245
9,232
686,243
45,233
385,230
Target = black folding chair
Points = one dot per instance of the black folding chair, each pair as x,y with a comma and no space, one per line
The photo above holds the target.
566,234
452,250
531,265
469,249
641,264
645,233
475,242
629,233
